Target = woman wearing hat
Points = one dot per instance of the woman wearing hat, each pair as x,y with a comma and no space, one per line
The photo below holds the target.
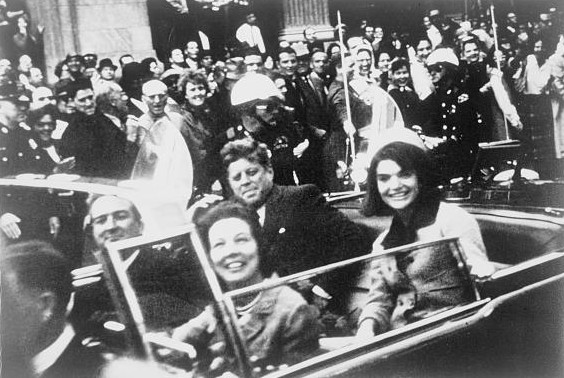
402,182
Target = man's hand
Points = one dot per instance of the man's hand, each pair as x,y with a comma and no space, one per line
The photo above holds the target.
9,225
196,328
318,133
432,142
54,226
300,148
366,329
349,128
132,129
65,165
205,202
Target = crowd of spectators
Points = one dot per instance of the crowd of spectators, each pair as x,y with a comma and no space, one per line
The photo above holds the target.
454,83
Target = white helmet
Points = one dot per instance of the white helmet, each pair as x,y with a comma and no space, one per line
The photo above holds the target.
252,87
442,55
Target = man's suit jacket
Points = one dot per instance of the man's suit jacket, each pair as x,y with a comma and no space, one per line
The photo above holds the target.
314,102
303,231
100,148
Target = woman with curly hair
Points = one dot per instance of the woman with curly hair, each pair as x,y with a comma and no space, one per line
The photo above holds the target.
199,129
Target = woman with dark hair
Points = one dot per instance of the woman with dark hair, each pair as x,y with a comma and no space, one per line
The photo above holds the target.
403,94
25,40
277,324
383,61
536,110
402,182
42,122
334,51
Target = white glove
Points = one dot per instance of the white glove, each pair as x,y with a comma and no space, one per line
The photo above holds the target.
9,225
300,148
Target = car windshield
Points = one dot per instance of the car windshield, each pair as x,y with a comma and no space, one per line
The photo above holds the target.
279,322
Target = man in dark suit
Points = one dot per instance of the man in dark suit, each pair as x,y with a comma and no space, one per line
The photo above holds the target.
302,231
37,339
99,146
169,286
304,102
313,88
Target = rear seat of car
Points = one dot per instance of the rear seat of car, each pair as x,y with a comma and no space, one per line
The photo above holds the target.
511,238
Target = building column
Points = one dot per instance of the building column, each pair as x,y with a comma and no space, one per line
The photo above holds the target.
108,28
299,14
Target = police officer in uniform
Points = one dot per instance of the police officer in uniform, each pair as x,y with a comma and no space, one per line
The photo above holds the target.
20,215
18,152
450,130
264,118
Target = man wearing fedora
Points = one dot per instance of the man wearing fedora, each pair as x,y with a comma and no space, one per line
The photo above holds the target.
107,70
105,80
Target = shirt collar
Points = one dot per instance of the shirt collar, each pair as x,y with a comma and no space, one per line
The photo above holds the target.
115,120
48,356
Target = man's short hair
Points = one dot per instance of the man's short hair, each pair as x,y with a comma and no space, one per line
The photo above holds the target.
37,265
78,85
470,40
317,52
35,115
399,63
421,38
246,148
95,197
287,50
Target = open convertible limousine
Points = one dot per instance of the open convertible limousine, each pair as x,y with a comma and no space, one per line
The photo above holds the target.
510,325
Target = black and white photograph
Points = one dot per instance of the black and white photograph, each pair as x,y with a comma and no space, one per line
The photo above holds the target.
281,188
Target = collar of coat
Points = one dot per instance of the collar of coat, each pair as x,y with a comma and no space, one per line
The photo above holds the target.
406,88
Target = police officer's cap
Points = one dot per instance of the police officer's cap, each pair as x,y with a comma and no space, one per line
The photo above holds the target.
8,91
11,92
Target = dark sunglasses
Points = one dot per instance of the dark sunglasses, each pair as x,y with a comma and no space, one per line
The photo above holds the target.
268,106
435,68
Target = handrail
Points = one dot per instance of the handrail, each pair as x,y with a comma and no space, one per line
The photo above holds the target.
345,195
489,308
535,261
330,267
384,337
85,185
419,339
